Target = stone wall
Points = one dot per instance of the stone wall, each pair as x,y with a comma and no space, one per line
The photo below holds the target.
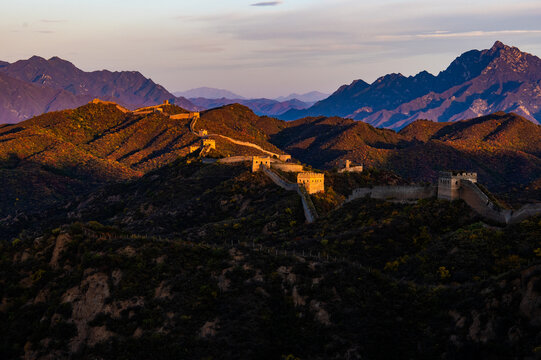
399,192
309,211
287,167
525,212
479,201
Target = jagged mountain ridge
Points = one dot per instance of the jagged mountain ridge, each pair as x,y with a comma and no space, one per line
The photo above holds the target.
20,100
128,88
477,83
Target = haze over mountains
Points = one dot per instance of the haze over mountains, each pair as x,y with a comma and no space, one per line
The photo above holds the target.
262,106
309,97
208,93
477,83
208,98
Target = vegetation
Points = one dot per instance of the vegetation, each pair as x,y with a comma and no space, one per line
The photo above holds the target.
167,257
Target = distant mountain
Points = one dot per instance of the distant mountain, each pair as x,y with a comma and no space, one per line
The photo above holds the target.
208,93
309,97
266,107
128,88
3,63
20,100
477,83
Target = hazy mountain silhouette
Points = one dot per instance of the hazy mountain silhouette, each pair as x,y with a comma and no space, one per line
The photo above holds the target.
208,93
262,106
309,97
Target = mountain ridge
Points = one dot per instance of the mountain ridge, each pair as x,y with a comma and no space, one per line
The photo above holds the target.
262,106
208,93
128,88
476,83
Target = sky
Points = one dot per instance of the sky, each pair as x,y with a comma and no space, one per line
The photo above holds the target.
264,48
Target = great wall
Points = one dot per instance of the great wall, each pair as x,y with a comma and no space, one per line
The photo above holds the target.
451,185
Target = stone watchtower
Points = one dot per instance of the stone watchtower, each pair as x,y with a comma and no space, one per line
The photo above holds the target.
449,183
313,182
258,162
208,142
203,133
349,168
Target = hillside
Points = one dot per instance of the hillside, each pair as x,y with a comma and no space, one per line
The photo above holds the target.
477,83
61,85
100,143
415,274
240,123
503,148
165,254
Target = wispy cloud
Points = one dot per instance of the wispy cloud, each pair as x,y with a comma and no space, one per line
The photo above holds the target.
454,35
266,3
53,21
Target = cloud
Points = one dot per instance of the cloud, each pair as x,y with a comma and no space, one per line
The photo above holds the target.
457,35
53,21
266,3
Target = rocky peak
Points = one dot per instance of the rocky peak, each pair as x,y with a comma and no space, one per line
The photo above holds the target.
389,78
498,45
356,84
510,60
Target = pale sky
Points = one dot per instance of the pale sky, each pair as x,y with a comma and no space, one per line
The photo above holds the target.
264,48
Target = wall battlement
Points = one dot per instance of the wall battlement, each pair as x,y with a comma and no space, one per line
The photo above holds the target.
450,182
349,168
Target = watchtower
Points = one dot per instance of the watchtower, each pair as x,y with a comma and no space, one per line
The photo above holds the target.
449,183
258,162
284,157
349,168
313,182
208,142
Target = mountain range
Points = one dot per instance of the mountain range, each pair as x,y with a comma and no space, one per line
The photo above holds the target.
118,242
261,106
476,83
63,152
309,97
214,93
36,85
208,93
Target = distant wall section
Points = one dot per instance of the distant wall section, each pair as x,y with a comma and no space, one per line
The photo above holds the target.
399,192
